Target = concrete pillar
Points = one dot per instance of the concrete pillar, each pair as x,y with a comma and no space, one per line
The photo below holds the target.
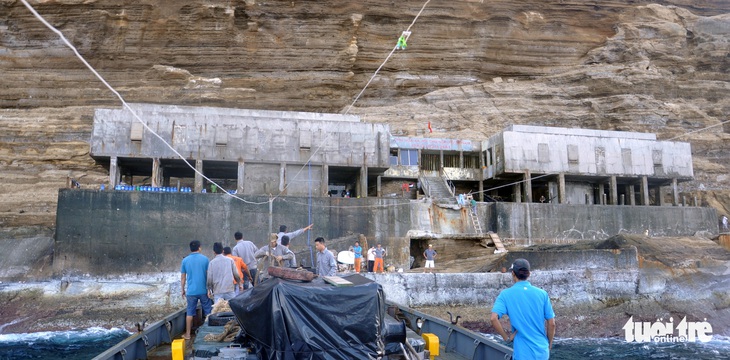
325,179
481,176
282,178
363,192
517,193
441,161
156,173
630,193
528,187
601,194
461,159
113,172
240,176
675,193
660,194
644,191
613,192
198,177
379,188
561,189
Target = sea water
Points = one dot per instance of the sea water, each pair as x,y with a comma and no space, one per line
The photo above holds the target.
57,345
85,344
605,349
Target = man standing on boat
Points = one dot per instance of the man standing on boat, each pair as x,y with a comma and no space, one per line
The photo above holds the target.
245,250
326,264
271,255
240,266
291,263
193,281
530,315
222,275
291,235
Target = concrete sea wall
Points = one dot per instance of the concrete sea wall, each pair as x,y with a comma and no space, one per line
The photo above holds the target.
116,232
109,233
571,286
537,221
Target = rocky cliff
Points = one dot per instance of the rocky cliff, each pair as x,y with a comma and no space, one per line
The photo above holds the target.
471,68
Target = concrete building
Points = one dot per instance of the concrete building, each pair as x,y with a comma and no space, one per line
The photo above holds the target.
251,151
540,184
258,152
580,166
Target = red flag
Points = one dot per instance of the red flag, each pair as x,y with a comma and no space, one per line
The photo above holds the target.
429,127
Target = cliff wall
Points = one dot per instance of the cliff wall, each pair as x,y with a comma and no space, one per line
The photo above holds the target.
470,69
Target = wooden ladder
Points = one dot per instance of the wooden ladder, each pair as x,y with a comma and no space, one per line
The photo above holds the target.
475,221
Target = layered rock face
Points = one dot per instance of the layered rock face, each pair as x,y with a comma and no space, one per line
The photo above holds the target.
470,69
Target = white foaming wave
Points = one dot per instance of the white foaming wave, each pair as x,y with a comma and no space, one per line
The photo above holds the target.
69,335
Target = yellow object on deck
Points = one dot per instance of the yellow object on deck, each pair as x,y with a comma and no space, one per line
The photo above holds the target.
432,344
178,349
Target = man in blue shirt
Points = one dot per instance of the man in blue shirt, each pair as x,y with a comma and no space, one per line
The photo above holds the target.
530,315
429,255
194,274
326,264
357,249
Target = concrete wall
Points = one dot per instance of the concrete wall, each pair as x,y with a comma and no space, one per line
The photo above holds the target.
129,232
576,286
106,233
559,222
624,259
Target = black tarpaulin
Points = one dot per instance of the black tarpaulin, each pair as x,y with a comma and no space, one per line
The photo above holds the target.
294,320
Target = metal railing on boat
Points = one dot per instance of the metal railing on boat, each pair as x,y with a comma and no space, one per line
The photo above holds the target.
466,343
138,345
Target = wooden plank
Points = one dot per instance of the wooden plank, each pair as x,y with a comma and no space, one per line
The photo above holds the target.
497,243
337,281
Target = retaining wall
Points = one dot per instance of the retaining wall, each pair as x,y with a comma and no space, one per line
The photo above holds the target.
535,221
114,232
567,286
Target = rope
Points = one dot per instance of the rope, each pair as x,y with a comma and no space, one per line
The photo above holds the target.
124,103
324,141
386,59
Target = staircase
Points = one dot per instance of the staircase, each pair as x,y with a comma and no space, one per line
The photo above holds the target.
435,187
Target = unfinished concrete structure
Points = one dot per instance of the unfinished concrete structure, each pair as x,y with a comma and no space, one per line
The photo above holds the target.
258,152
540,183
252,151
580,166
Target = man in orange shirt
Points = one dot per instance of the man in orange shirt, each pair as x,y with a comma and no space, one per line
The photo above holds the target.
240,266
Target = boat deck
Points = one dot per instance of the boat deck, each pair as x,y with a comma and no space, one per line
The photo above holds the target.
456,343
